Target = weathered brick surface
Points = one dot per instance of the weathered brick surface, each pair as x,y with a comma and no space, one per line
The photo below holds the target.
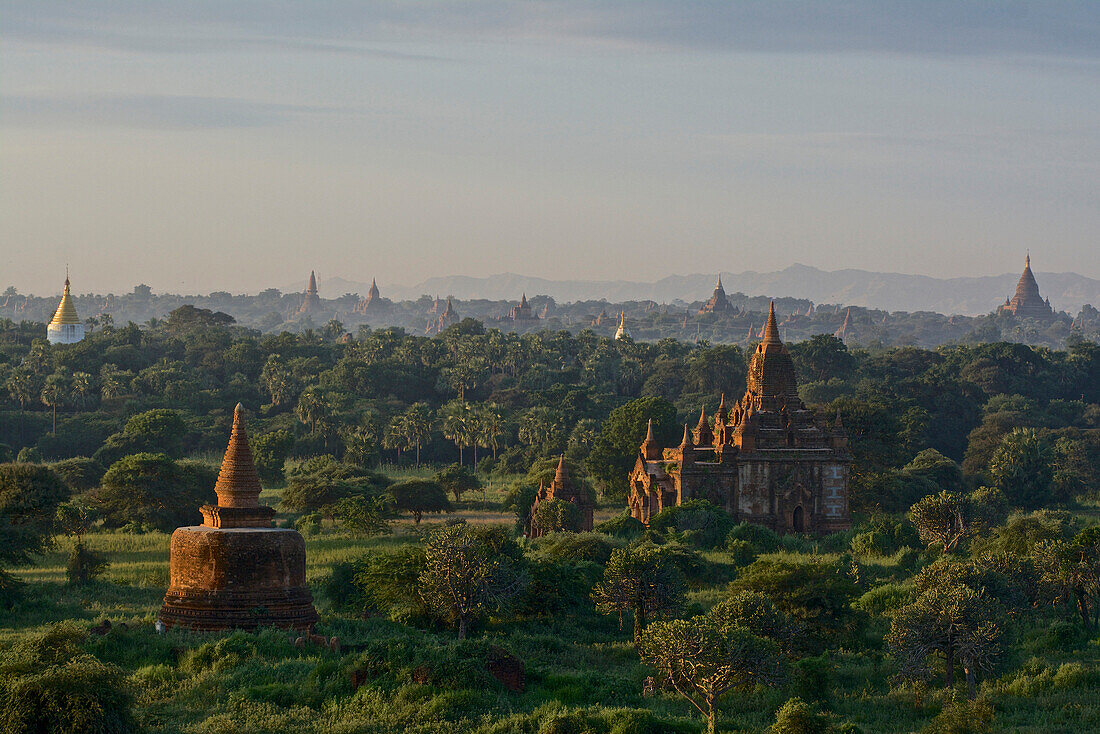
239,577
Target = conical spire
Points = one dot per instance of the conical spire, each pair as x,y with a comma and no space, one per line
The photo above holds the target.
312,282
771,330
560,474
719,286
523,300
650,450
685,443
66,311
238,483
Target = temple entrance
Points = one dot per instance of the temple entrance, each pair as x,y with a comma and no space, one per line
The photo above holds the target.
798,520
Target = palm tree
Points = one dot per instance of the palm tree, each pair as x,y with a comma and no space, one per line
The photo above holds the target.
396,436
312,409
53,394
456,425
82,387
20,384
417,427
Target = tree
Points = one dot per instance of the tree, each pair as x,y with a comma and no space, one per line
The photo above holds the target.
620,436
153,490
317,484
556,515
465,576
821,357
798,717
418,496
23,389
640,579
74,519
82,388
489,426
702,659
1022,467
756,613
29,496
1071,570
312,409
951,620
270,452
949,519
55,393
416,427
457,480
456,425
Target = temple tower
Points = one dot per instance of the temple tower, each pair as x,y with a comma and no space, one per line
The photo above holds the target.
65,327
237,570
1026,301
311,302
718,303
621,331
563,488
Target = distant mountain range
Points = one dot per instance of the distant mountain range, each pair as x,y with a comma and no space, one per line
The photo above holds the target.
888,291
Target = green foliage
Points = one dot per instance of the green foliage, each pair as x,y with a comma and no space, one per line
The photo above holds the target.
623,526
154,490
320,482
1022,467
695,522
48,683
950,520
760,538
85,565
798,717
556,515
29,496
79,474
159,431
616,446
591,547
816,595
962,717
457,480
465,577
270,452
642,579
28,455
419,496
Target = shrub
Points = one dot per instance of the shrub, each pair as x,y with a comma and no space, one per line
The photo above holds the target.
621,526
697,522
270,451
962,717
155,491
798,717
49,684
556,516
763,539
591,547
741,552
79,474
28,455
84,565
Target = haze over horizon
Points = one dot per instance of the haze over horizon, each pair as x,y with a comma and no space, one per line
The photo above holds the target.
210,146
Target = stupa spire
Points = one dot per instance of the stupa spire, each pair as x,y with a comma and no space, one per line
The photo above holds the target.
771,330
560,474
238,483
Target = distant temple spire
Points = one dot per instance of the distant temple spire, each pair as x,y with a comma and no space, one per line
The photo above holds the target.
311,302
621,331
1026,302
771,331
65,327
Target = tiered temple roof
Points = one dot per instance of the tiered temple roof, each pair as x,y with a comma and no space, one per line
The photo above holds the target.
1026,301
717,303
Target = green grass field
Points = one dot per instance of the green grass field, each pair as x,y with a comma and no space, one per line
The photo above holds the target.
582,672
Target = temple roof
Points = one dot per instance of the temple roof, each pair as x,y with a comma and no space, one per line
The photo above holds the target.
1027,289
561,476
66,311
312,288
771,370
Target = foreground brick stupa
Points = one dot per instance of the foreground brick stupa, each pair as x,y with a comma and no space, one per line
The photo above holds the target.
237,569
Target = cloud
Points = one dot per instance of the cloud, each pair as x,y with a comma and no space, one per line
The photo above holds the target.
967,27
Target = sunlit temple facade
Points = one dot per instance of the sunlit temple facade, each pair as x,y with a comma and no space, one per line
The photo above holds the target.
65,327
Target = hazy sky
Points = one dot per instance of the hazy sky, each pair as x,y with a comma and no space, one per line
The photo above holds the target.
200,146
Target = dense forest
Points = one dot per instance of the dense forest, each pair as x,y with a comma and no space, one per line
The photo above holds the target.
965,598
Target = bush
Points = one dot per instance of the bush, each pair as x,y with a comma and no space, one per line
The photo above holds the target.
270,452
962,717
592,547
79,474
798,717
622,526
84,565
154,491
28,455
741,552
556,516
49,684
697,522
764,540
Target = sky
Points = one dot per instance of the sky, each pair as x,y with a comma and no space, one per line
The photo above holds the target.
210,145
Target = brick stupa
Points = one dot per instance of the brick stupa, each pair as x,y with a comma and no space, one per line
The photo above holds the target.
237,570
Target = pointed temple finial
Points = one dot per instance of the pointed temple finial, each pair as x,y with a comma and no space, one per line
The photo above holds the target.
649,431
1027,259
523,300
771,330
560,474
685,443
238,483
719,286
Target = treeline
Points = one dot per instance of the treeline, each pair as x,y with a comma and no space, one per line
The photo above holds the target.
500,401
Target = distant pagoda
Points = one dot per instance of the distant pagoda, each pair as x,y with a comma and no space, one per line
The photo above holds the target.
65,327
565,489
621,332
718,303
449,317
311,302
1026,302
523,311
237,570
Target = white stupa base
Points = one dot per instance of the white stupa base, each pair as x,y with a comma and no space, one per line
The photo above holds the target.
64,333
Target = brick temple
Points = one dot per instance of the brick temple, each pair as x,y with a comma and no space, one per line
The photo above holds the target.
237,570
1026,301
767,460
562,487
